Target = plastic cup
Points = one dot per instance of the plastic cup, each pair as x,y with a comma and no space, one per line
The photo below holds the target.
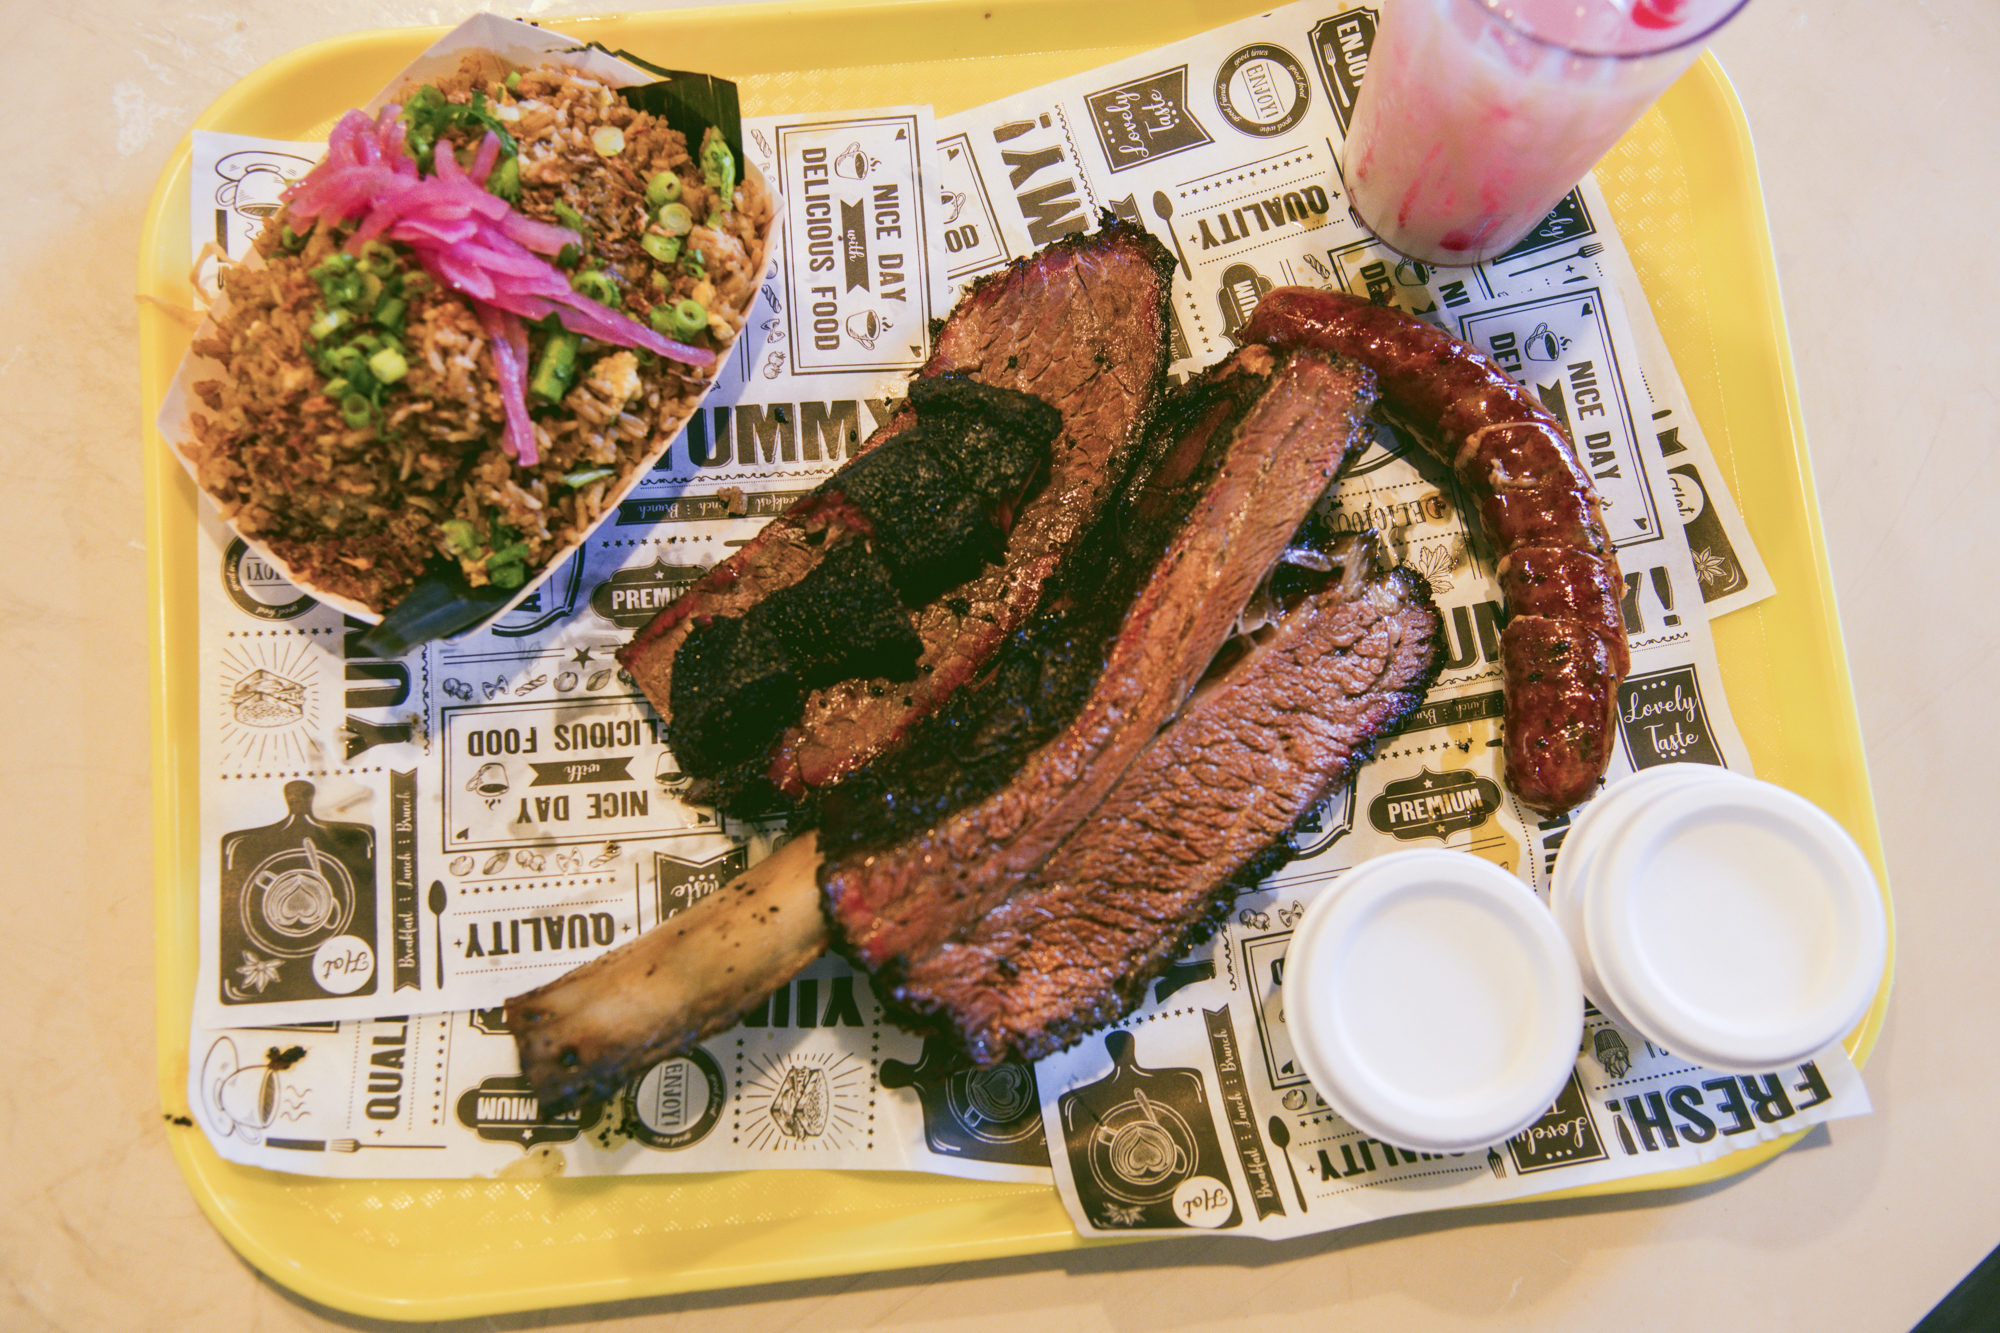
1433,1002
1477,116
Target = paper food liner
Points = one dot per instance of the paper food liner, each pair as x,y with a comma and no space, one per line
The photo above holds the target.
509,42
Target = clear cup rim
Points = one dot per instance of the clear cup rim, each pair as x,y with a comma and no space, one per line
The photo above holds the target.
1513,25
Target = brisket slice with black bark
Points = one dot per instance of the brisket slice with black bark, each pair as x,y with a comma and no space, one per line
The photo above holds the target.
1203,813
1083,326
1281,427
919,512
595,1028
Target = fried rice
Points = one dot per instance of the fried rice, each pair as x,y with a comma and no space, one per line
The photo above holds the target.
356,493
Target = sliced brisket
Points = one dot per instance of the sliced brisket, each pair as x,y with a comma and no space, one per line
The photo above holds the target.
1204,812
917,513
1082,325
1273,433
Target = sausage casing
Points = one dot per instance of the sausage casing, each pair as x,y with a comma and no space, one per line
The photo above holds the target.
1563,651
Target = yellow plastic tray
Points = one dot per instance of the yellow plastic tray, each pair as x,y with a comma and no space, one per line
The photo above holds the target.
1683,186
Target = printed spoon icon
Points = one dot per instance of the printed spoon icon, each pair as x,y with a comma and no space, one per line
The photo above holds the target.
1165,208
437,906
1281,1135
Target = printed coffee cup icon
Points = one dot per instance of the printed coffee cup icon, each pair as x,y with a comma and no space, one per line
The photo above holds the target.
1143,1147
1545,344
289,890
254,182
249,1097
866,327
850,163
299,901
1142,1150
297,898
998,1095
667,773
985,1115
238,1099
1143,1153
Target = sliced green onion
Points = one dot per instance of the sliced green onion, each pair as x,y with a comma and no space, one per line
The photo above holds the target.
682,319
506,576
388,365
718,169
555,369
594,284
663,188
585,477
695,264
460,535
569,256
514,81
290,239
389,313
569,217
357,410
505,180
665,249
327,323
675,220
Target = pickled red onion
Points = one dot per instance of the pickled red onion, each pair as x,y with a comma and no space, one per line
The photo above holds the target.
509,337
471,241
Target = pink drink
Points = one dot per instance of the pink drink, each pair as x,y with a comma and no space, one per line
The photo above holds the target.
1476,116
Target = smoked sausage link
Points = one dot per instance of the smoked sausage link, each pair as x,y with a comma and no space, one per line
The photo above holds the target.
1563,652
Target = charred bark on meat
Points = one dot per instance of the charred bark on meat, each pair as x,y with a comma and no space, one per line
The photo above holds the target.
926,509
1082,325
1040,679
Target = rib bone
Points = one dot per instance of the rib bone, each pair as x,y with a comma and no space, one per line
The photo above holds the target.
688,978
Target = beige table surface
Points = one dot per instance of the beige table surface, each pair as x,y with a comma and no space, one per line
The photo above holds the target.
1878,127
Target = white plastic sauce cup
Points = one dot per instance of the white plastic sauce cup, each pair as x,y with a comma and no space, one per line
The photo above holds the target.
1432,1001
1727,920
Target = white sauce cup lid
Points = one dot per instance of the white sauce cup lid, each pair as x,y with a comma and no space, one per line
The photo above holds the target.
1433,1001
1738,925
1600,823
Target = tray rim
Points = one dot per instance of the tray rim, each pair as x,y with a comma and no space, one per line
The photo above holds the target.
221,1188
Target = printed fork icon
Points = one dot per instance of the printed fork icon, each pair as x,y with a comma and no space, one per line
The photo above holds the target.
1585,253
